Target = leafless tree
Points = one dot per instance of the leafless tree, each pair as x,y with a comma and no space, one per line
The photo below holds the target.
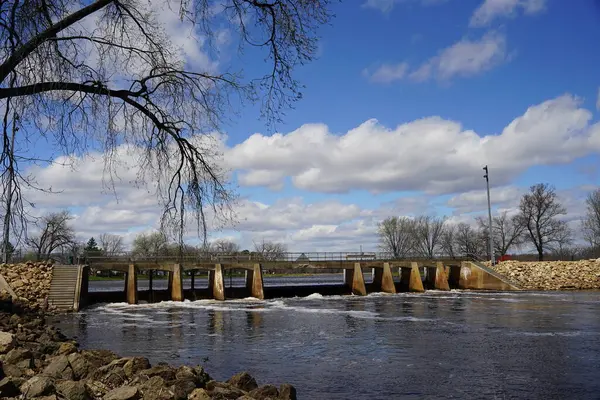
507,232
428,232
270,251
591,221
448,240
100,74
539,212
396,236
469,241
225,247
54,232
150,245
111,244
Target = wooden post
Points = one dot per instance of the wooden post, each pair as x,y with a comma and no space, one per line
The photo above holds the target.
358,281
193,279
215,283
176,283
132,293
441,279
254,282
416,283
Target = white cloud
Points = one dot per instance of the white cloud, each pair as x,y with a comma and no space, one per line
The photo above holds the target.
490,10
431,154
470,57
476,200
385,6
387,73
462,59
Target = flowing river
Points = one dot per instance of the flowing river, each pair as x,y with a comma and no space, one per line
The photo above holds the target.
436,345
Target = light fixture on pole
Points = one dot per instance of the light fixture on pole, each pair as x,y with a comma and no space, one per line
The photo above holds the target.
491,250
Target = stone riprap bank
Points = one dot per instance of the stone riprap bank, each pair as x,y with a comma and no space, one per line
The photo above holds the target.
38,362
553,275
30,281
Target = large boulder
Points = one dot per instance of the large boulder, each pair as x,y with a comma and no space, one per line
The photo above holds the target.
264,392
199,394
17,355
181,388
164,371
243,381
67,348
38,386
223,390
71,390
287,392
123,393
135,365
7,342
59,368
155,389
9,387
80,365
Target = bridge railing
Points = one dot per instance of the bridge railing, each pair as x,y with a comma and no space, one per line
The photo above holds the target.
214,257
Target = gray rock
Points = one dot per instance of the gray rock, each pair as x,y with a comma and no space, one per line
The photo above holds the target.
67,348
7,342
135,365
71,390
202,378
164,371
38,386
16,355
9,388
183,387
222,390
98,358
59,368
243,381
264,392
12,370
17,284
154,389
123,393
287,392
80,365
199,394
185,372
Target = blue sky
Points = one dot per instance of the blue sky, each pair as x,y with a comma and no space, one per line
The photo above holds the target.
443,79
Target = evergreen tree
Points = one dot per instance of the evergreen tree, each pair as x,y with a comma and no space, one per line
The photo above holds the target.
91,245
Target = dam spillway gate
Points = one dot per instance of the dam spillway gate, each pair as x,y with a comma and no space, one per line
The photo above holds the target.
387,276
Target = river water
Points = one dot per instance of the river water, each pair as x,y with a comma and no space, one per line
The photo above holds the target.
436,345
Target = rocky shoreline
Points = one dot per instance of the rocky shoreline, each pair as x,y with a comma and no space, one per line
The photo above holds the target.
37,361
552,275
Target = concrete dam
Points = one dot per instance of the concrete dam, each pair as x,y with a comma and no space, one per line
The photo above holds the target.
70,283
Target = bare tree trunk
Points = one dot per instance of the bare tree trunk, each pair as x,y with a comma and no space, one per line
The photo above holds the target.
11,176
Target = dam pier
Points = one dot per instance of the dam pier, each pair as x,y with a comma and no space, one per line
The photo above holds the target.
70,283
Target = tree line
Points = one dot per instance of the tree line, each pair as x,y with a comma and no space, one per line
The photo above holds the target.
55,236
537,224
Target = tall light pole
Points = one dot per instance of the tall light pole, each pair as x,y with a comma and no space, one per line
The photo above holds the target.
487,181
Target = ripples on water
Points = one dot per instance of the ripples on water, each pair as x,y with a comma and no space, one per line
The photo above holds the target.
433,345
